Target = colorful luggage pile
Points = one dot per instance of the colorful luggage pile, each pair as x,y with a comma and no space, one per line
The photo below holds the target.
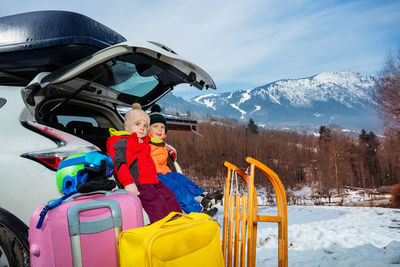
93,225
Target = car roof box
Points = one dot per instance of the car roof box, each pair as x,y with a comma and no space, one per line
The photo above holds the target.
44,41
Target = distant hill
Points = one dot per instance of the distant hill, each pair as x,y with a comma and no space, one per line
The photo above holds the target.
342,98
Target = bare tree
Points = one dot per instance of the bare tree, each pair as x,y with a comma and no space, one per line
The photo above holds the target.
388,92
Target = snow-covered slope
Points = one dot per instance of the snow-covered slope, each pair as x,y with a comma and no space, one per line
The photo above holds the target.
343,98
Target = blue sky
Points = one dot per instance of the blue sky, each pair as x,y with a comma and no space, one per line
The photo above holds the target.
245,44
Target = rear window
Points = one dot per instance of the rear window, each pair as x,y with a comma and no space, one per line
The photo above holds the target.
2,102
126,75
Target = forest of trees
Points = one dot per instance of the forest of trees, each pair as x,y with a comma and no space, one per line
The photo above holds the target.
331,161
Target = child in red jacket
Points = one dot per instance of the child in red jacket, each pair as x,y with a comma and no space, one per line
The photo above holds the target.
134,167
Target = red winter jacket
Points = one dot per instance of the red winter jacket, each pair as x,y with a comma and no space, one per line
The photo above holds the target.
132,159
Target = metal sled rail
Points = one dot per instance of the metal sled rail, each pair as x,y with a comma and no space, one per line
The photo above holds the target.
241,217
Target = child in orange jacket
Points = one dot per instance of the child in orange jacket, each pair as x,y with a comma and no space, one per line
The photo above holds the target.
191,197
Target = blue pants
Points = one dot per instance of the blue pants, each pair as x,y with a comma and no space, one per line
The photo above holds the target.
184,189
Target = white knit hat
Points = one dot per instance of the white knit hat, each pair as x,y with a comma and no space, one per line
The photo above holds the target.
134,115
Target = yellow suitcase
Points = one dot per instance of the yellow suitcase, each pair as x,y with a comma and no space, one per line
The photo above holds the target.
189,240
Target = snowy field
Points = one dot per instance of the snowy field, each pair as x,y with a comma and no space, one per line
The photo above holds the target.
332,236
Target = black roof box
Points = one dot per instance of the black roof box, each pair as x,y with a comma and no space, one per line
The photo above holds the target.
48,40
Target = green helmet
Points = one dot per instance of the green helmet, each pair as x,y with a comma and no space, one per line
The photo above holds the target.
70,171
75,171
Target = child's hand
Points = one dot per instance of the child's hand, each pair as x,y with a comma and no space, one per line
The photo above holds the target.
132,188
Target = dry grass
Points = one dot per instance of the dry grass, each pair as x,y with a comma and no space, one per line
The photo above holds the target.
395,192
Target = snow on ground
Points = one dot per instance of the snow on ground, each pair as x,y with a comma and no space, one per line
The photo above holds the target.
349,197
331,236
328,236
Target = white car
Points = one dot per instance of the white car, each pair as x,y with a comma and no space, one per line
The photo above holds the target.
67,111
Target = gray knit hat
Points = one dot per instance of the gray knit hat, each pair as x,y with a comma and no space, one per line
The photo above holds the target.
134,115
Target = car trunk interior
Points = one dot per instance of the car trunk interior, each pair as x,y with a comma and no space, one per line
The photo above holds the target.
87,120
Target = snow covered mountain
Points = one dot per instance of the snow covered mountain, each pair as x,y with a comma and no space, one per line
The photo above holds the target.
343,98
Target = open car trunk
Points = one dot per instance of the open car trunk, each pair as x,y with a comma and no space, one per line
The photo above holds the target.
84,97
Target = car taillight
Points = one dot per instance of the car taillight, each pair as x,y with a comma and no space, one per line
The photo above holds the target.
53,162
172,151
51,158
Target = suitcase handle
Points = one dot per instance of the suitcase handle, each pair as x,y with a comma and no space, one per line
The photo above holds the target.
104,192
77,227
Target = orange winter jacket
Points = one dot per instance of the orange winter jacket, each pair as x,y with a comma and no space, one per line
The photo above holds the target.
159,153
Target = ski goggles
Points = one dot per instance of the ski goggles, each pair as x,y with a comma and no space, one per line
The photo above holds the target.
97,161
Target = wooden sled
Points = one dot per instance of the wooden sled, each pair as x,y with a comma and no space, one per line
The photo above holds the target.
241,217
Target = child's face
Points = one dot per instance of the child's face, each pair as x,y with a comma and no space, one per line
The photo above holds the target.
157,130
141,128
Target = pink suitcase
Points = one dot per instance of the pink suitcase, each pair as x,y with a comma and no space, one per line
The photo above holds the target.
84,229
